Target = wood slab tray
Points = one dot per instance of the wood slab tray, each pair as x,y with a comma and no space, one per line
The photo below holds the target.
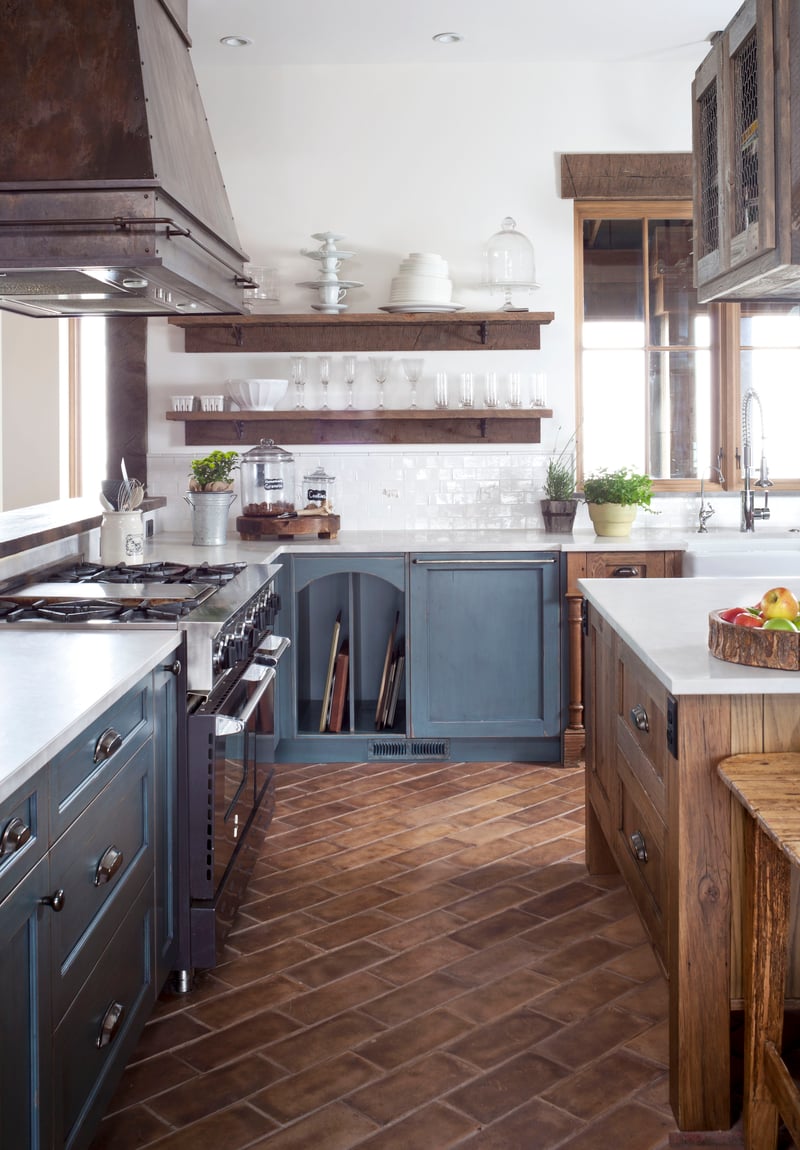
779,650
255,527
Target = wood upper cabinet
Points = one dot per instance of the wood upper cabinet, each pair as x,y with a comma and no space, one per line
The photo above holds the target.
746,151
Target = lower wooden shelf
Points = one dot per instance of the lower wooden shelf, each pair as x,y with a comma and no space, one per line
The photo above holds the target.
518,425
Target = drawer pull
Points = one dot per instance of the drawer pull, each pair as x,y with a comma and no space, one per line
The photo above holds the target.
108,866
109,1027
15,835
109,742
625,573
639,846
55,901
639,718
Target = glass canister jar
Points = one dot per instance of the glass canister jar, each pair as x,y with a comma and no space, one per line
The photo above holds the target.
267,474
317,492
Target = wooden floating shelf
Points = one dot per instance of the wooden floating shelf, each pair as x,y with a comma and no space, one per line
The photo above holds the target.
297,334
204,429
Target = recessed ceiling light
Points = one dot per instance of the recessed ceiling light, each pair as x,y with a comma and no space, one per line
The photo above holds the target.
448,37
235,41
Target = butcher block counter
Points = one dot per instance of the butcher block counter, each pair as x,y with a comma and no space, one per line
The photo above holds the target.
661,713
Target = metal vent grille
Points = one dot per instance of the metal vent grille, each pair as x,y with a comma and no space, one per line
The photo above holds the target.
745,84
409,749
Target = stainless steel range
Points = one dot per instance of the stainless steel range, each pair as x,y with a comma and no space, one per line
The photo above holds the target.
226,777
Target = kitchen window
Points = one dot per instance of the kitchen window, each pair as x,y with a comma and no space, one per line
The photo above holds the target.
660,376
87,404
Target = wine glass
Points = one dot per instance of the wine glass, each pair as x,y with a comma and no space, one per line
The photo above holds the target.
349,363
324,364
412,369
380,368
299,380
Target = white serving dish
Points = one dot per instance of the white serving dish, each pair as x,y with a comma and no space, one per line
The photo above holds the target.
257,394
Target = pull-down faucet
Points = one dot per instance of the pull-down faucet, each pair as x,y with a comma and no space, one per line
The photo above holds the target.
749,510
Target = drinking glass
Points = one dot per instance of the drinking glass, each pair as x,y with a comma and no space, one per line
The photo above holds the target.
466,395
349,363
440,398
380,368
299,380
324,364
538,389
412,369
514,389
490,389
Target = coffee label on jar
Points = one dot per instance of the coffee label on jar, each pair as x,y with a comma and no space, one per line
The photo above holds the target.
273,485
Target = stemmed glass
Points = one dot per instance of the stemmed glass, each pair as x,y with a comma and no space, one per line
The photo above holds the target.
412,369
380,368
349,365
324,363
299,380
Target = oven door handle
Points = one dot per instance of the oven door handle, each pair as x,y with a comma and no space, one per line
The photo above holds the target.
233,724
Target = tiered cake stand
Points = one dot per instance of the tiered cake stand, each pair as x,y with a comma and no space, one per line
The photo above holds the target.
330,289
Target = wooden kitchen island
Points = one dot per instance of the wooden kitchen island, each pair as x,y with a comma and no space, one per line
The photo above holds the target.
661,713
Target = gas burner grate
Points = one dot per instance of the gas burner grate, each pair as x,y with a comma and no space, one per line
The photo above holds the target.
83,611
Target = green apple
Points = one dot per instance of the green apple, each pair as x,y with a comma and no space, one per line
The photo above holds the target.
779,625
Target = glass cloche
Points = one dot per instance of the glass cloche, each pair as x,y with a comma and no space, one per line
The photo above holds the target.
510,263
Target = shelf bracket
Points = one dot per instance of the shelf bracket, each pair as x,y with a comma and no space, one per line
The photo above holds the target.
482,428
484,331
238,334
238,427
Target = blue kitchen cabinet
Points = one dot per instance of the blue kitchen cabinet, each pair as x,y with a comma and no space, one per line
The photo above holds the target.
484,636
366,593
88,852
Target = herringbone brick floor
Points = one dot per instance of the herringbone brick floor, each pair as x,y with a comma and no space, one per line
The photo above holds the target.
422,963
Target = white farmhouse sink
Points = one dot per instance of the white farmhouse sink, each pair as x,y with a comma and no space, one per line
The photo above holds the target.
749,556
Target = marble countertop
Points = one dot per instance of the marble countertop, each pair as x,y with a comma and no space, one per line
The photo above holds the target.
57,682
665,622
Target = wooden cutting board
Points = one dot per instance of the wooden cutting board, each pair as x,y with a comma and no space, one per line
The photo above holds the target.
255,527
752,646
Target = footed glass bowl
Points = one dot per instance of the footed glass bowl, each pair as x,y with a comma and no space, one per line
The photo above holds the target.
257,394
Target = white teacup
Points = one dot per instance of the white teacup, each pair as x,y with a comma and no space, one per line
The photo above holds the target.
331,293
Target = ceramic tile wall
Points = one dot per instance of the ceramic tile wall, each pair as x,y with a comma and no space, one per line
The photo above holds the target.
446,489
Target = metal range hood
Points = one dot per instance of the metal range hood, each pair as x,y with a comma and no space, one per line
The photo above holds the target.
111,197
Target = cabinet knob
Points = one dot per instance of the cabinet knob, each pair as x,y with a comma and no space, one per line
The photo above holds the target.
175,667
109,864
639,718
639,846
109,742
625,573
15,835
109,1027
55,901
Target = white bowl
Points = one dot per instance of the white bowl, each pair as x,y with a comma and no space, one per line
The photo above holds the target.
257,394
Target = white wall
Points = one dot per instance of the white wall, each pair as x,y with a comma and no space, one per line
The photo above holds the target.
30,415
403,159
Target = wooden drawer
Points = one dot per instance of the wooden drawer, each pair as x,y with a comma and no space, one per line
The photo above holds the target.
120,820
641,727
25,810
87,1072
625,565
84,767
641,833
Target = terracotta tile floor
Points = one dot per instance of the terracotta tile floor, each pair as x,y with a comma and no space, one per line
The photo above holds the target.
422,963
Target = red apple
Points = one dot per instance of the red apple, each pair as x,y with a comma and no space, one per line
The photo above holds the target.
731,612
747,620
779,603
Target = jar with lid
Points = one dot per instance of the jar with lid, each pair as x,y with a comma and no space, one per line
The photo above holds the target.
267,476
317,492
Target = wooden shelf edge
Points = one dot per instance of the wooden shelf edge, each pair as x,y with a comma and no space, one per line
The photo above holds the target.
360,319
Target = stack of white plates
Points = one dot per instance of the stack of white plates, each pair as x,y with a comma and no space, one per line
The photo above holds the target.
422,284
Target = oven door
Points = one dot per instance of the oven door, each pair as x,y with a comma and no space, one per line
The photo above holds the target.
231,801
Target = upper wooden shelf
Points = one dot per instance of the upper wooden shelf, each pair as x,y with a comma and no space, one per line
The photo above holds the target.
441,331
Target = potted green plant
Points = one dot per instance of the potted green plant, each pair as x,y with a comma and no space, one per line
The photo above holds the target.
560,504
210,496
613,498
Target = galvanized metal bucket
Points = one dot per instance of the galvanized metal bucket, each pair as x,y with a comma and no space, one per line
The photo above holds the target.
209,516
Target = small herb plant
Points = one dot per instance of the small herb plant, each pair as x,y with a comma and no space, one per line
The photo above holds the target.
214,472
624,486
559,479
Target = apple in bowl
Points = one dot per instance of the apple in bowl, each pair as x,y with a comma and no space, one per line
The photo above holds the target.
779,603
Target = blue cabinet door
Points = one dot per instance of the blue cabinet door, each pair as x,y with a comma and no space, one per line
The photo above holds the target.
484,645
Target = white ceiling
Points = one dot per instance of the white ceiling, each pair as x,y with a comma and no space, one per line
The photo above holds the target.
376,32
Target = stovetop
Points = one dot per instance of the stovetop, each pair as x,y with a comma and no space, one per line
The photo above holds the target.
158,572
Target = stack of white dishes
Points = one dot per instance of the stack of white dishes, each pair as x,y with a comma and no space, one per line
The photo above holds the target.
422,284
